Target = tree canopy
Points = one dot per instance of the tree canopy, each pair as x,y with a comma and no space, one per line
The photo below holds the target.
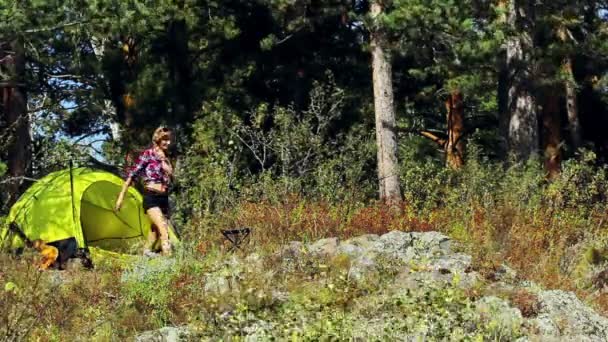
98,76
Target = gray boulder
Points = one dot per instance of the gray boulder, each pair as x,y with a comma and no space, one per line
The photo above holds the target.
324,247
412,246
364,241
362,268
563,316
350,250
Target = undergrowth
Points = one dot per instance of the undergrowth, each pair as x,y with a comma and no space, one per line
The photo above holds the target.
552,233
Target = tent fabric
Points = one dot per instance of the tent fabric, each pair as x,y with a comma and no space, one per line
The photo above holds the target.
80,204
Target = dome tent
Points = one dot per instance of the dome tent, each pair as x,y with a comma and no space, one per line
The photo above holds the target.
79,203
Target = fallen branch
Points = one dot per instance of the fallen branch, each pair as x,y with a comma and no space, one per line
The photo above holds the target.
440,141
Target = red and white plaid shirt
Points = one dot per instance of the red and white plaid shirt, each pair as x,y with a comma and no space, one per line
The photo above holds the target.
151,165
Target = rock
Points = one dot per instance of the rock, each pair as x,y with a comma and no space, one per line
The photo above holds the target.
166,334
434,242
455,263
499,315
413,280
363,241
505,274
412,246
324,247
351,250
293,250
361,268
393,244
563,316
423,262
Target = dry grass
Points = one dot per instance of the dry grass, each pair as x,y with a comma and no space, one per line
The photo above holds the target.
534,243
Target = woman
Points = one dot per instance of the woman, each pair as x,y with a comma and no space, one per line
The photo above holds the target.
155,168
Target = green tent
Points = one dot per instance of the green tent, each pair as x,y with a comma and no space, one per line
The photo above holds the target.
79,203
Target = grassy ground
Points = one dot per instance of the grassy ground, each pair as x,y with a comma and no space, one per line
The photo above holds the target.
551,233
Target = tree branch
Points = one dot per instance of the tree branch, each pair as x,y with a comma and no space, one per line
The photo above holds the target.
56,27
440,141
284,39
101,130
18,179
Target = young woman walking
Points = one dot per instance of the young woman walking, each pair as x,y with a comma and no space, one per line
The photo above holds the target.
154,167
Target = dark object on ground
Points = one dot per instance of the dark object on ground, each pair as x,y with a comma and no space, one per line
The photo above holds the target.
68,249
236,236
85,258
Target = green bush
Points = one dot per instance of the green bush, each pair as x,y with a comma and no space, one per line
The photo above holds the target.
147,286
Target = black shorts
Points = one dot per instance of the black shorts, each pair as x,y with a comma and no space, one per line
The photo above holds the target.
155,200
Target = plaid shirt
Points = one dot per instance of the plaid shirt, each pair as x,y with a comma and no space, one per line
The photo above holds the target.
151,166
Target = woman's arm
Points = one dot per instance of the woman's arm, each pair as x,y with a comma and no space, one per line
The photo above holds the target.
140,164
121,196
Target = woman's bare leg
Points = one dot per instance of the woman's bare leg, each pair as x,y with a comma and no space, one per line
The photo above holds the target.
152,237
161,223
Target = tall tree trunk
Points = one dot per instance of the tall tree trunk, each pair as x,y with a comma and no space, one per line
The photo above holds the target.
455,145
17,120
523,120
571,96
179,70
572,106
503,84
551,131
386,138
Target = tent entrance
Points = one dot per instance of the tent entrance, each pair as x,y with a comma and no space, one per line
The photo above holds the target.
104,228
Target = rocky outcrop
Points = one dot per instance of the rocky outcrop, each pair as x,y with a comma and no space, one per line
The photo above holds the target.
563,317
426,269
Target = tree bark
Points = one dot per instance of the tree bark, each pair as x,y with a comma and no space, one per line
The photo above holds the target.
523,120
572,106
571,96
455,145
386,138
17,120
503,84
551,132
179,71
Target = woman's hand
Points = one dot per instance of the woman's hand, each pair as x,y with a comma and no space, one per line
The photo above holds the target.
166,165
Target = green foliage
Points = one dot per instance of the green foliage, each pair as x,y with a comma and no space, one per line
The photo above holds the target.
147,286
582,185
275,152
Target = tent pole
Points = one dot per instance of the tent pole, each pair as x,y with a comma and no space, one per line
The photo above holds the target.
72,198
